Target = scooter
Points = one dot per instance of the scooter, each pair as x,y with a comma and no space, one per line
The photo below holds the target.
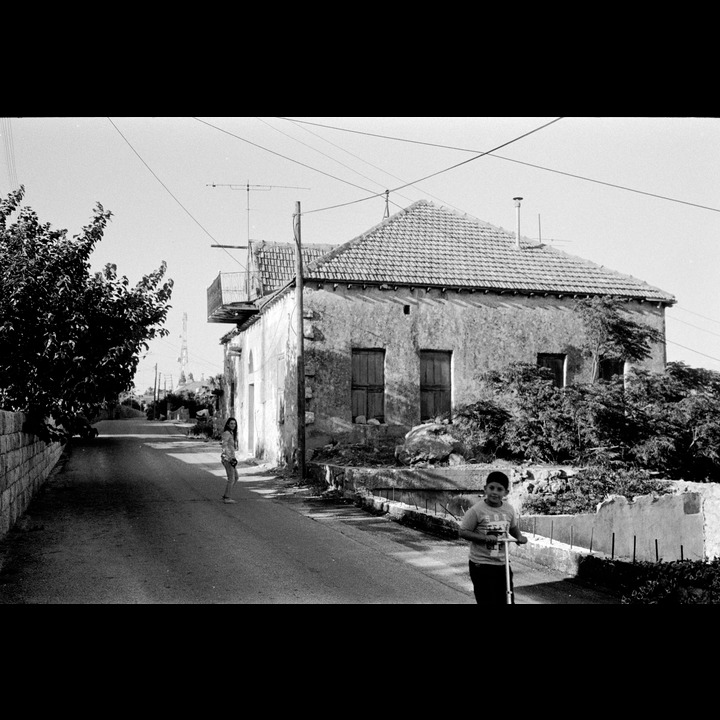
508,590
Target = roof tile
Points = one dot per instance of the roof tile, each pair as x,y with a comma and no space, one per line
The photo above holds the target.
430,245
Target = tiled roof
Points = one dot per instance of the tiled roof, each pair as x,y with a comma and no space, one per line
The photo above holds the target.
276,261
429,245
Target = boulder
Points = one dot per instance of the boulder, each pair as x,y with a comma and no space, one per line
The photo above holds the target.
429,442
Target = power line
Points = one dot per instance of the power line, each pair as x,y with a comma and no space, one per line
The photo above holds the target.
520,162
169,191
357,157
697,327
698,314
374,194
452,167
309,167
9,152
691,350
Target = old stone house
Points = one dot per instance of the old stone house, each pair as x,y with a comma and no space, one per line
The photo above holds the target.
399,323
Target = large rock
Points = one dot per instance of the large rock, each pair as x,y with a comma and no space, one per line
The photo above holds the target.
430,442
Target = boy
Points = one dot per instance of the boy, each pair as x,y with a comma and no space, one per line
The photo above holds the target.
481,525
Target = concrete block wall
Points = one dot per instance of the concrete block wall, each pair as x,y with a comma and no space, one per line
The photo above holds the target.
25,463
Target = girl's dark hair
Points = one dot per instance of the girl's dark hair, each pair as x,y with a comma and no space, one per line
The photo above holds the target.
232,430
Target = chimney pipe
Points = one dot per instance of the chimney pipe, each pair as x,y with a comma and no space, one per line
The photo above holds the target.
517,235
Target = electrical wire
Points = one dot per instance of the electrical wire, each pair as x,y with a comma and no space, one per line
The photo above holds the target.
285,157
152,172
697,327
691,350
447,169
379,194
520,162
9,152
698,314
375,167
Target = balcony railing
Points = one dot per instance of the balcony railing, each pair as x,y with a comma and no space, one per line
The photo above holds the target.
228,299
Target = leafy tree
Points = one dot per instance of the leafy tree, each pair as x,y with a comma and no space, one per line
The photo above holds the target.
611,333
666,422
538,428
70,340
677,414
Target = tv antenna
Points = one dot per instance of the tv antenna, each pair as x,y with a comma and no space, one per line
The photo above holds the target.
247,186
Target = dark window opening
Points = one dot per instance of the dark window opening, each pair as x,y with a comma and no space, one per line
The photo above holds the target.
556,363
435,384
406,309
368,384
609,367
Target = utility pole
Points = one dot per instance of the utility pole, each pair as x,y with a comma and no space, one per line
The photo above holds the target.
155,394
300,354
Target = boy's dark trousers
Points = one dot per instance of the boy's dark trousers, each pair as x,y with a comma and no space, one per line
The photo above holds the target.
489,584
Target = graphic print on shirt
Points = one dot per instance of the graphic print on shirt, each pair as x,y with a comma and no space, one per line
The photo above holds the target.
496,525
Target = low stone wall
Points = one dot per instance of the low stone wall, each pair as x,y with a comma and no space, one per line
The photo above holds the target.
25,463
683,525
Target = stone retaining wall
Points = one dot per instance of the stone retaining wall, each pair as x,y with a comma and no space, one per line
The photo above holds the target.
682,525
25,463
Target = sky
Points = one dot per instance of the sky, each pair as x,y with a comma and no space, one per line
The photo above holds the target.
635,194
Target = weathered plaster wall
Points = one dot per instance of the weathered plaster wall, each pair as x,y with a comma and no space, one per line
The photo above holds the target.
483,331
25,463
261,382
630,529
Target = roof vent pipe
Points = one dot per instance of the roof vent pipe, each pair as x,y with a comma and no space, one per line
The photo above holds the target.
517,235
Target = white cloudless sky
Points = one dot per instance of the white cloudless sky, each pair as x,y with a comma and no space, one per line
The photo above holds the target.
635,194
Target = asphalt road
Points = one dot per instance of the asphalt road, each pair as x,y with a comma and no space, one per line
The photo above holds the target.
135,517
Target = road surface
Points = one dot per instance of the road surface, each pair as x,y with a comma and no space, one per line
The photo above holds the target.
135,517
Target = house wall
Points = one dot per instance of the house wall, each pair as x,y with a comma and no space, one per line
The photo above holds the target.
483,331
264,382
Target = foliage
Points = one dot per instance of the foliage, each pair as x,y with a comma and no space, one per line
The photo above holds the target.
208,396
535,429
611,334
678,419
70,340
663,422
204,427
479,426
583,492
681,582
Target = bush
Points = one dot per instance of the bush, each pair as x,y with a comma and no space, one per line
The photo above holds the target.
203,427
663,422
681,582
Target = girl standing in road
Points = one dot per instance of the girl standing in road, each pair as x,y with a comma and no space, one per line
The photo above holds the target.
229,461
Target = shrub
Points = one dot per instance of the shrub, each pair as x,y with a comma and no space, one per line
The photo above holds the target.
203,427
681,582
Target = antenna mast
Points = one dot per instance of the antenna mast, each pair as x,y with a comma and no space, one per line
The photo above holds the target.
248,187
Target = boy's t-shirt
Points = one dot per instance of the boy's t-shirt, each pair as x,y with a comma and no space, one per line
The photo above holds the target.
482,517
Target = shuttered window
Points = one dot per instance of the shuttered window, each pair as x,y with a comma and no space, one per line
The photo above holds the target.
435,385
556,363
368,384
